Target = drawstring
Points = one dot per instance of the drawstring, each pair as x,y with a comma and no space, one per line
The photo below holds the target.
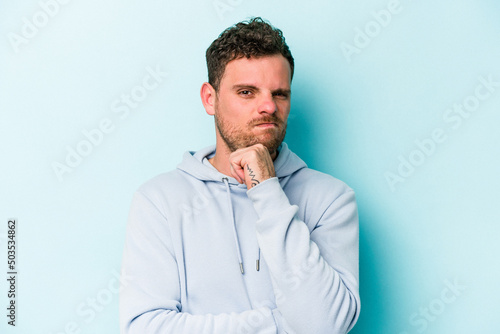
258,260
230,206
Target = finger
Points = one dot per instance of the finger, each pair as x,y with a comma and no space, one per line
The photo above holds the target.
241,174
234,174
238,161
237,171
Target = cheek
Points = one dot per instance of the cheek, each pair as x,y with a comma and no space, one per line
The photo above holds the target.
284,108
232,105
237,110
233,112
236,106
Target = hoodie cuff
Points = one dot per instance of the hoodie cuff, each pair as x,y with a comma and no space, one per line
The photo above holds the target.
268,197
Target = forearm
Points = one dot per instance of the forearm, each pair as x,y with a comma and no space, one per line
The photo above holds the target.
258,321
312,295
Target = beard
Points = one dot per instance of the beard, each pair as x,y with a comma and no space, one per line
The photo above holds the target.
236,137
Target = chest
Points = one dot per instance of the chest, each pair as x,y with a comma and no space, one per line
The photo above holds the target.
206,245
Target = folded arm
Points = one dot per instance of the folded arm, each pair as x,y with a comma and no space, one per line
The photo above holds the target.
314,274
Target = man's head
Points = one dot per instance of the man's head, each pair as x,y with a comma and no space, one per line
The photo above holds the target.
251,39
250,72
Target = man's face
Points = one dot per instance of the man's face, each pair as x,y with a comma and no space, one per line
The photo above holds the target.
253,102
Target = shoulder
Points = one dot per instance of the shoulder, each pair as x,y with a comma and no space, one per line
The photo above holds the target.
319,183
295,174
316,193
165,186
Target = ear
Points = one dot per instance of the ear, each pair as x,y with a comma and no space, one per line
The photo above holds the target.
208,96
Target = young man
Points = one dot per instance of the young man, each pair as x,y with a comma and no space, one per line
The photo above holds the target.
242,237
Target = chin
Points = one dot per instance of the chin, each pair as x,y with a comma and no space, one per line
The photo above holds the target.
269,140
271,145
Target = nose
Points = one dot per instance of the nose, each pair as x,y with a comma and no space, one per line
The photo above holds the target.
267,104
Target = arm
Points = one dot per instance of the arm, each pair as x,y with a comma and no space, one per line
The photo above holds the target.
150,294
314,275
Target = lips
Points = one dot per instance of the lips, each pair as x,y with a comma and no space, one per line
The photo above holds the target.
266,125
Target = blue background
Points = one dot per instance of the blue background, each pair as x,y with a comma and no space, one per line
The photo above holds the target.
354,115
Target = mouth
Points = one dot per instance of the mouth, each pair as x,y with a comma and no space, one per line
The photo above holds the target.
266,125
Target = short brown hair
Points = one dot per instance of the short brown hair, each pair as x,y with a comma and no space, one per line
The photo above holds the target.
253,38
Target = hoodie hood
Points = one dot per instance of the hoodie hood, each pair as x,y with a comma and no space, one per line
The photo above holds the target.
285,164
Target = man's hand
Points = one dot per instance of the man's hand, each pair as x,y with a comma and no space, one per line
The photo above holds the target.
252,165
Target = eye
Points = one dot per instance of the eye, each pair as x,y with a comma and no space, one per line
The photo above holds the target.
245,93
281,95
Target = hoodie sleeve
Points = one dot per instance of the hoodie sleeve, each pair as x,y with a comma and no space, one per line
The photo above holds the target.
314,274
150,290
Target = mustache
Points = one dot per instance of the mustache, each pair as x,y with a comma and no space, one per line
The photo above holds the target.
266,119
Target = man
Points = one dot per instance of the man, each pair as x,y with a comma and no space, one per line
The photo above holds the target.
243,237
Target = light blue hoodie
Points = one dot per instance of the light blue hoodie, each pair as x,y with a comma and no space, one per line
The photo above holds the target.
205,255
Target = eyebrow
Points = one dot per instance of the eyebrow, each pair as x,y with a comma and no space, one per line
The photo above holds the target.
279,90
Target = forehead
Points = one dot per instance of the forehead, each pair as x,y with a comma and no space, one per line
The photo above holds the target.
269,71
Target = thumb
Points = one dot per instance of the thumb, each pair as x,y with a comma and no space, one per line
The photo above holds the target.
238,172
